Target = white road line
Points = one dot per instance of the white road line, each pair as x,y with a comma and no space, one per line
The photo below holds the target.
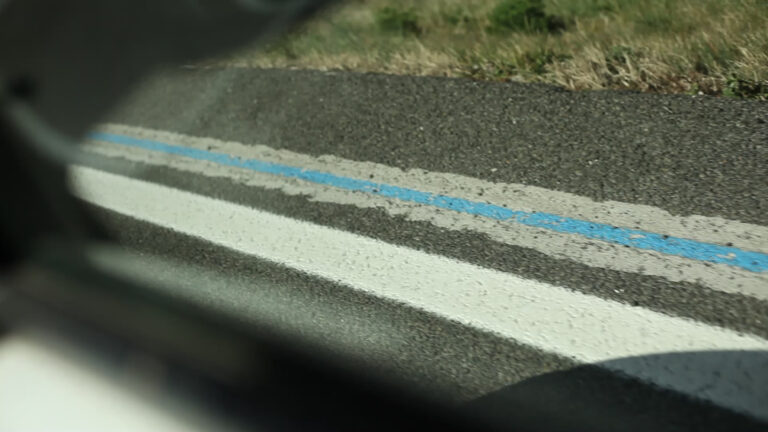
585,328
593,253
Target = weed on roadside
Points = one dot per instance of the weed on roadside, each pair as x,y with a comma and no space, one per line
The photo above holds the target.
457,15
523,15
536,61
585,8
735,87
403,21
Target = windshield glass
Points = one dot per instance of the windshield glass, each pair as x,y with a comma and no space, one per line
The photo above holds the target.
553,209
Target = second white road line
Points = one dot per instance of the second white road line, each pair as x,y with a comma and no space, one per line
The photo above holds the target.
551,318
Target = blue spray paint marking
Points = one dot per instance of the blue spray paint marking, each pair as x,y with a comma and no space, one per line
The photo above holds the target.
708,252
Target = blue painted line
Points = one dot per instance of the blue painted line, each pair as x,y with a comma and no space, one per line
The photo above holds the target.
700,251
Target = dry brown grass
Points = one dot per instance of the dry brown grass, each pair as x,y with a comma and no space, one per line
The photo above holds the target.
709,46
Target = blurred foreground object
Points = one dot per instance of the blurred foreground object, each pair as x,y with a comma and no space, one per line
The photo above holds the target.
82,348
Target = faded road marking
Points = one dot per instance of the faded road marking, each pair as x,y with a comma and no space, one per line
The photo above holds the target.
662,243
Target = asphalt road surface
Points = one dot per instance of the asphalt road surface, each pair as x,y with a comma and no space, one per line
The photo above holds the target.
598,257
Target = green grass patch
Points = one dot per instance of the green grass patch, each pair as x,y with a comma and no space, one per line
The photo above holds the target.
586,8
523,15
457,15
402,21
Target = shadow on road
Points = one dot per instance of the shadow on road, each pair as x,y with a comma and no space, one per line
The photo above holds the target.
592,398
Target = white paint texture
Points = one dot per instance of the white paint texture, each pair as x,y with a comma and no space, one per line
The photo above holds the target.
631,340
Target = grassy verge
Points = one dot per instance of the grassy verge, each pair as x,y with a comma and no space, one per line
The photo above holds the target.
717,47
